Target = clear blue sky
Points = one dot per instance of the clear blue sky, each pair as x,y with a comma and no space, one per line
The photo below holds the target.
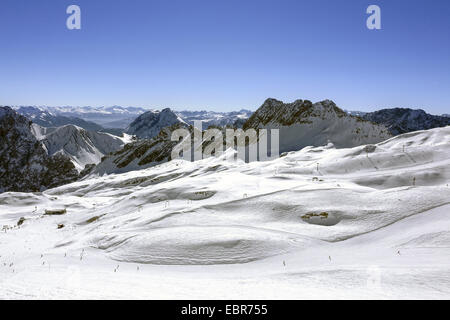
225,55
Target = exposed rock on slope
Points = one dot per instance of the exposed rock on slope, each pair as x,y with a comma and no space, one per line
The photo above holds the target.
139,154
149,124
303,123
403,120
25,165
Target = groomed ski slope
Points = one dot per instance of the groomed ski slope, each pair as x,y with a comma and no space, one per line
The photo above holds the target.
366,222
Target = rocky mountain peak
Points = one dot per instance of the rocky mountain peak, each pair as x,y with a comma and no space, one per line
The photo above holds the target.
150,123
303,123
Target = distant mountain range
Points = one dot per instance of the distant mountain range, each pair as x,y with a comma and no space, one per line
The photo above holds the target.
356,113
51,119
212,118
117,119
107,117
45,118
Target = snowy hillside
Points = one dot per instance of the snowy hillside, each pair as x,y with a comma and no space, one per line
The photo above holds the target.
402,120
303,124
365,222
81,146
24,163
149,124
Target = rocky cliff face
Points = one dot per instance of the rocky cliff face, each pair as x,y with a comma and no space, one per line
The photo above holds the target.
303,123
25,165
403,120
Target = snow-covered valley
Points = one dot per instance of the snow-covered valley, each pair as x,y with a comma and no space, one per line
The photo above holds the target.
366,222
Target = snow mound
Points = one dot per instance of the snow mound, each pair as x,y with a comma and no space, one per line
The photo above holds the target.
198,245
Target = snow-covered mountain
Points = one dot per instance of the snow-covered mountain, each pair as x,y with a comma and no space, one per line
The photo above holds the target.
45,118
303,124
81,146
24,163
117,117
212,118
403,120
150,123
88,110
370,222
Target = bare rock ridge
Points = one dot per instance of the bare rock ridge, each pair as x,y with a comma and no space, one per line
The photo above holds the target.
303,123
286,114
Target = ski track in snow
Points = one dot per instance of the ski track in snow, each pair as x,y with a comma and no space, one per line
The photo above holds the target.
326,223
